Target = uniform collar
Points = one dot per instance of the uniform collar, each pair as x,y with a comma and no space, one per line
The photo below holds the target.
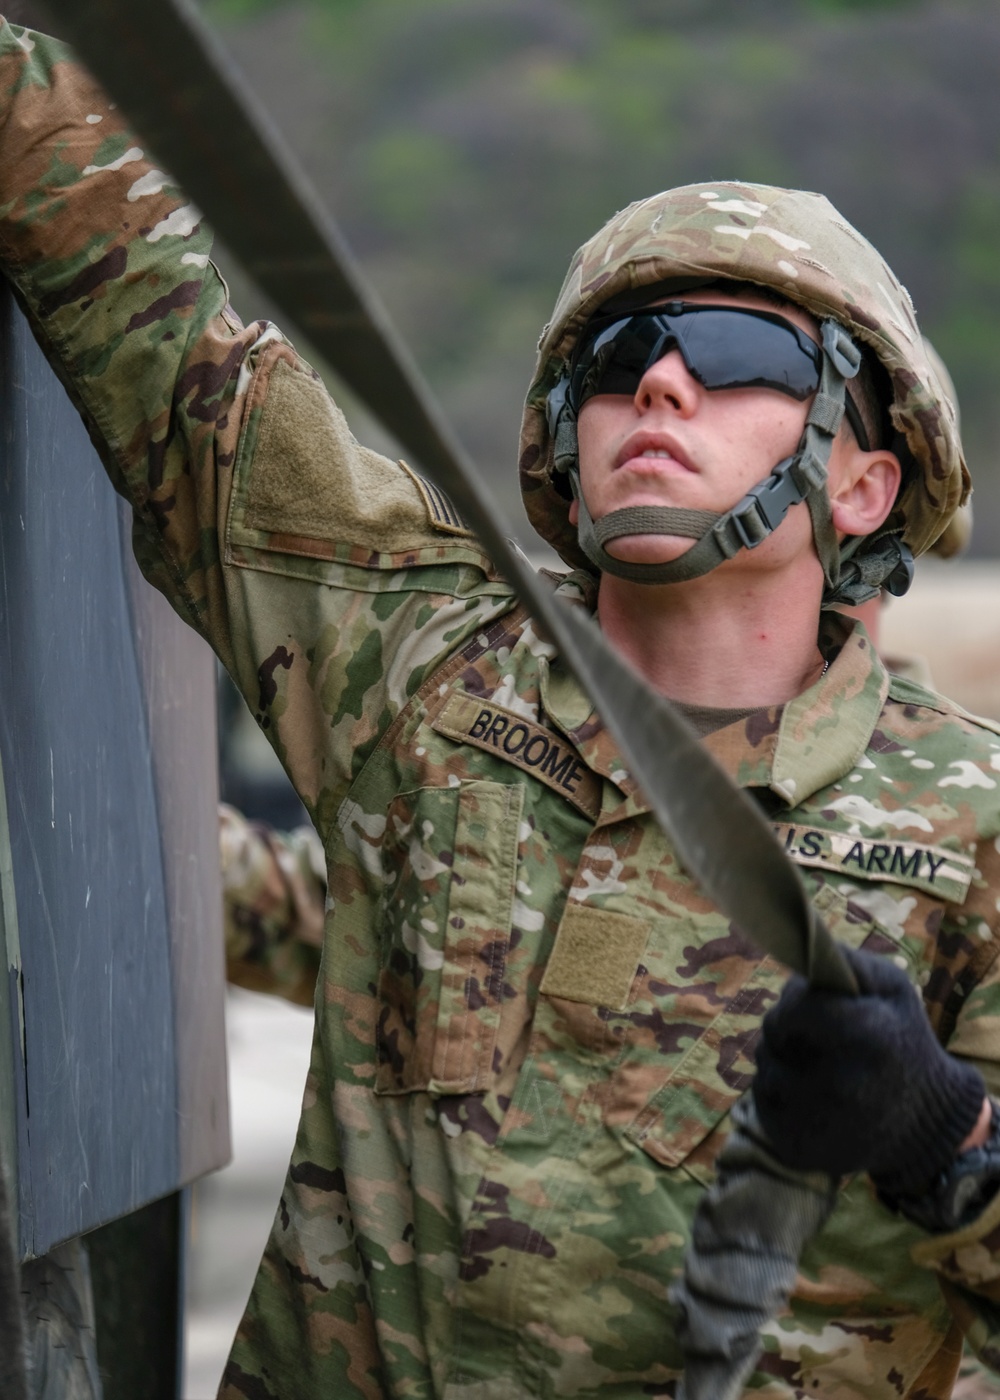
826,729
794,750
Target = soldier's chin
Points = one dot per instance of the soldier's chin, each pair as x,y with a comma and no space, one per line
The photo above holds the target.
649,549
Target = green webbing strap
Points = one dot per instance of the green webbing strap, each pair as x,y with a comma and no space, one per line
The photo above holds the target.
653,520
184,96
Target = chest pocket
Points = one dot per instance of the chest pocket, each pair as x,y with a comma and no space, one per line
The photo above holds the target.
449,864
678,1123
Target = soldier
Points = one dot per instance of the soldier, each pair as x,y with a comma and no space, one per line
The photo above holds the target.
530,1023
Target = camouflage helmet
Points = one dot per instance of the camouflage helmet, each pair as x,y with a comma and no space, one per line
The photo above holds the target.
955,536
796,243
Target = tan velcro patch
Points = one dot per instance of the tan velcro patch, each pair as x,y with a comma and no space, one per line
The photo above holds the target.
595,957
310,478
546,756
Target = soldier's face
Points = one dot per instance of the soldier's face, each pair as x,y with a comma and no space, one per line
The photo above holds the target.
676,443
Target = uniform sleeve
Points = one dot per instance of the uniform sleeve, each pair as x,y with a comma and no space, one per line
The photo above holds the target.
112,266
329,580
274,898
967,1261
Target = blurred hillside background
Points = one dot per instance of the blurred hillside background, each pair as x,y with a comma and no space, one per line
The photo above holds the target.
468,146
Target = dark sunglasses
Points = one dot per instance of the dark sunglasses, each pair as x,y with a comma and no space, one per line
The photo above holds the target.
723,348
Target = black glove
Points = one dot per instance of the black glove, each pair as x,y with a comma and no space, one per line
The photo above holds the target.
847,1084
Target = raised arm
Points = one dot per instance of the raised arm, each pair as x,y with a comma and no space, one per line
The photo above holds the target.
257,513
112,267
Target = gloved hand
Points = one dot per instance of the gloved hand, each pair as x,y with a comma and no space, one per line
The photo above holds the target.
848,1084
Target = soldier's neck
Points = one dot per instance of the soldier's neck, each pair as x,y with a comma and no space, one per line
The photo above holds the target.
715,641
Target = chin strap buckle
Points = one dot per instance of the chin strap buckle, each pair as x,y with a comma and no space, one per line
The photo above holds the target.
844,355
764,508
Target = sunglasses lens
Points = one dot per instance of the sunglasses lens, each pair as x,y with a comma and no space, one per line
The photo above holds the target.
732,350
617,358
723,348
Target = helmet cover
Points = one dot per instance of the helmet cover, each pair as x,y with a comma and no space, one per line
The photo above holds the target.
796,243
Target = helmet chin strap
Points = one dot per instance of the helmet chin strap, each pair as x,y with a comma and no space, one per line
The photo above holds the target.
801,477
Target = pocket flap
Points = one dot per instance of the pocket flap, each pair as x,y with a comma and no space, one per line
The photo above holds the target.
449,866
677,1124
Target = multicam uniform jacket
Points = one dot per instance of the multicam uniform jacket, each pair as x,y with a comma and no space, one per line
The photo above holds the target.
530,1025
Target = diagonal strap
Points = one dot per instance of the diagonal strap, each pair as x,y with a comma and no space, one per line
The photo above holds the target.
826,413
185,96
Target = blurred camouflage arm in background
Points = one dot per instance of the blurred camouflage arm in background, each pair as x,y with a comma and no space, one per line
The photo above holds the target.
274,896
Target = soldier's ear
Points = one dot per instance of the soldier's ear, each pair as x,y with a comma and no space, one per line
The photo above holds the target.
863,487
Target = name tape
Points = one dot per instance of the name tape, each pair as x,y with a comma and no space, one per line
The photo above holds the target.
527,745
945,874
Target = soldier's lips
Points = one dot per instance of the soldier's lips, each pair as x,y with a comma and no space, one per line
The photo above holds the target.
652,454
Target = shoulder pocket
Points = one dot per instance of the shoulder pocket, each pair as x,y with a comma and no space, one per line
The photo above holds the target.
449,867
304,486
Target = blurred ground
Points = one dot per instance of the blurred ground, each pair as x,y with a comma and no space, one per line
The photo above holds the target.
232,1211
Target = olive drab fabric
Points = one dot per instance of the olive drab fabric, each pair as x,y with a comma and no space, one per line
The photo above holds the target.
530,1024
216,135
796,243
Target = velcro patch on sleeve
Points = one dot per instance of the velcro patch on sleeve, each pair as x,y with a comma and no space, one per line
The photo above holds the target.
595,957
535,750
303,478
945,874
